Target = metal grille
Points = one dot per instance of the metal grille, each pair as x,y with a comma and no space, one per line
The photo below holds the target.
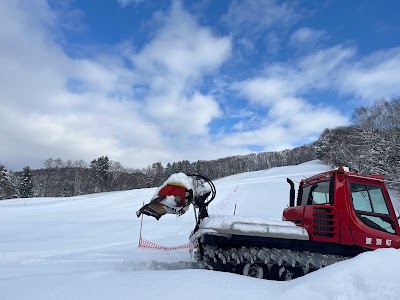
324,223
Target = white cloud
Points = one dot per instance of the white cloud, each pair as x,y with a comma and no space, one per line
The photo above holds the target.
182,49
250,16
239,126
290,120
178,56
306,37
125,3
265,90
373,77
184,117
255,21
316,71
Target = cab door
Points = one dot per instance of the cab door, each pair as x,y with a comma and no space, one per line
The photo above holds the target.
321,218
373,221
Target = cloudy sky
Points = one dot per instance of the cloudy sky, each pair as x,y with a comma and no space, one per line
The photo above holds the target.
145,81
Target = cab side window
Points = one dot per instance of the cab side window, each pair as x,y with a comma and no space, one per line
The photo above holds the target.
361,200
368,198
317,193
370,206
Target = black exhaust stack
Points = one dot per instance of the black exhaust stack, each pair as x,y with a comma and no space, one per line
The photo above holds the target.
292,192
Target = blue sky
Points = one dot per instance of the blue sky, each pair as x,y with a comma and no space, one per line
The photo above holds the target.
145,81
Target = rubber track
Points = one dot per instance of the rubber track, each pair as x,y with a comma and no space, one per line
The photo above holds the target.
280,257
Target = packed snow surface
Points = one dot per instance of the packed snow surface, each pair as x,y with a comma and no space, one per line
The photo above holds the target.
86,248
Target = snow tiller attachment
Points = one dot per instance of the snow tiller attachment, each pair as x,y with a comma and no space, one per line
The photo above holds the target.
176,195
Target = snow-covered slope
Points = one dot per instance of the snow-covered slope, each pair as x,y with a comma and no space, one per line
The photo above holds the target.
86,248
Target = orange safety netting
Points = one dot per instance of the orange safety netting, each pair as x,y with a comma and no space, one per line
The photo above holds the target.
147,244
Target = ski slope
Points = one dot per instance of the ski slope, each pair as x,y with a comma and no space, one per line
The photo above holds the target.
86,248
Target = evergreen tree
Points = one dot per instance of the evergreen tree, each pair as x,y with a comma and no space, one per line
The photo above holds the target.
26,184
101,167
6,188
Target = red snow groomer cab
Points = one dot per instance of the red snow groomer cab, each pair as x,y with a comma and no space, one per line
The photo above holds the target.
347,209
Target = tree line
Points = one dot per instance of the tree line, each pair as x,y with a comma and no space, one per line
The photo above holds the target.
63,179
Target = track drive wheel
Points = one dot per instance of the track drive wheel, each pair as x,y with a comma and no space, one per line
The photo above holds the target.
284,273
253,270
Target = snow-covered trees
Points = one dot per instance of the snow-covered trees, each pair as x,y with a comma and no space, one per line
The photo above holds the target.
60,179
8,184
370,145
